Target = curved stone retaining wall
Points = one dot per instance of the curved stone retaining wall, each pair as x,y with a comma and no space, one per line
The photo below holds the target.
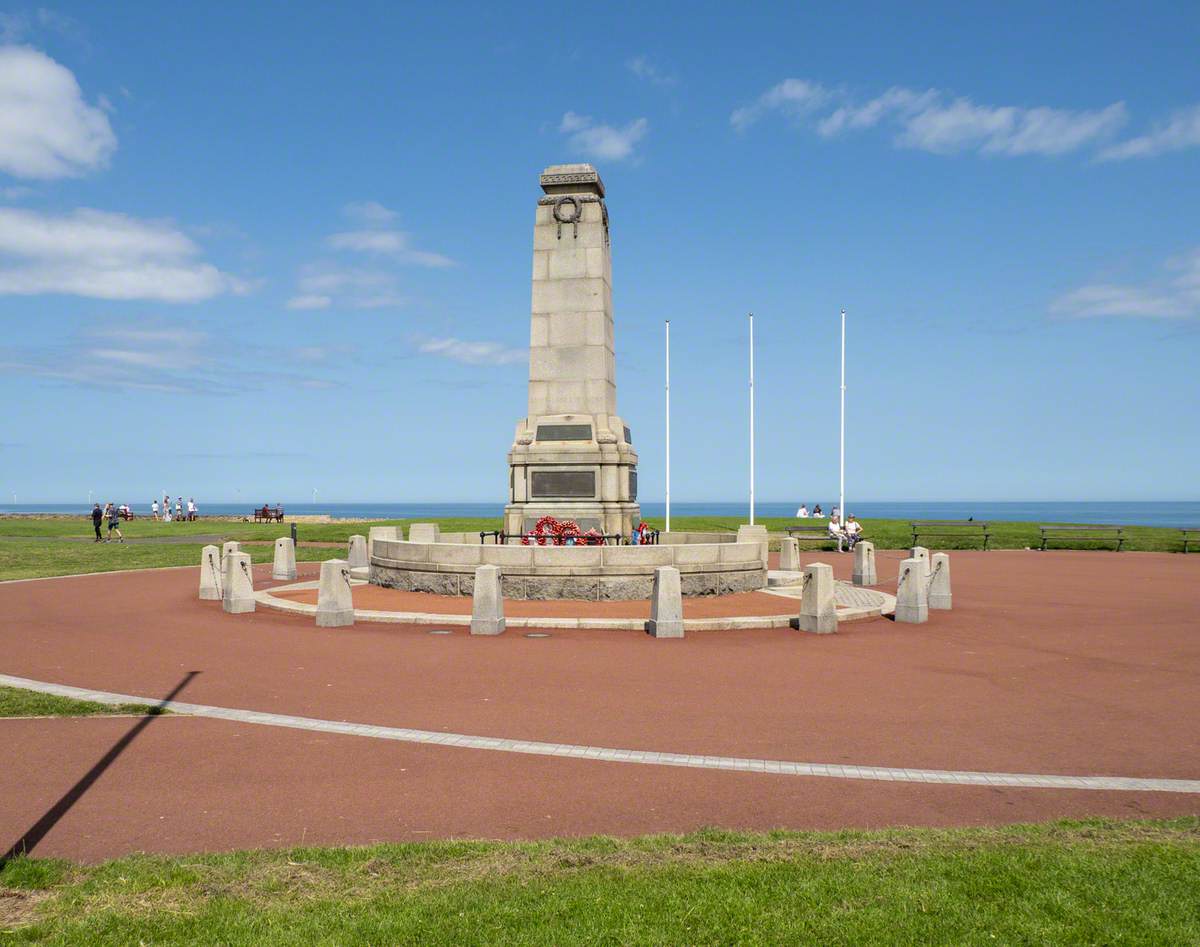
569,572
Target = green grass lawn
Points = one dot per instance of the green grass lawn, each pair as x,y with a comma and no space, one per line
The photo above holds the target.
35,558
17,702
1095,882
27,547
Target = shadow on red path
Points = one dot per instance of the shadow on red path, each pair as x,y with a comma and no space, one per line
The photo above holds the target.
38,831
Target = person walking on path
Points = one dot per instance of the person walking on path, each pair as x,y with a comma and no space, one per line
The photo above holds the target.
97,519
154,508
114,523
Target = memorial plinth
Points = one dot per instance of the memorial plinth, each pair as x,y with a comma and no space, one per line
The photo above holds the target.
572,457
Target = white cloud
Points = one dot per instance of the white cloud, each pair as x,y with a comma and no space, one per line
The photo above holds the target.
393,243
1180,131
157,358
1175,297
643,68
311,301
164,360
791,97
325,284
474,353
369,212
104,256
380,239
1009,130
596,140
47,130
930,120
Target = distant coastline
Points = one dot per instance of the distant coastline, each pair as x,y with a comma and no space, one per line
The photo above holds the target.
1127,513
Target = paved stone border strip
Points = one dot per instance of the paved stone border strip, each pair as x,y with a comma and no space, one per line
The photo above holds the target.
267,599
611,755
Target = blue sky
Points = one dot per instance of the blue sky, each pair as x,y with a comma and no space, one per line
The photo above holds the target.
250,252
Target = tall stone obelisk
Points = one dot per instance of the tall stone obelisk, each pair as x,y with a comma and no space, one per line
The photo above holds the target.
572,457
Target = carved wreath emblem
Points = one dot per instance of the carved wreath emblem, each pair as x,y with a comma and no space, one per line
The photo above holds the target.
562,217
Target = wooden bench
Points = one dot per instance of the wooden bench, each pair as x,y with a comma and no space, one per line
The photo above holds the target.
1191,535
265,514
809,534
952,529
1092,534
129,514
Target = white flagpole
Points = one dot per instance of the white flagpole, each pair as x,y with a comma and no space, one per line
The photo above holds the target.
668,425
751,419
842,447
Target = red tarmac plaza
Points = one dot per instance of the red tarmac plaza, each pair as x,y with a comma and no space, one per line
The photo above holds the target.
1067,662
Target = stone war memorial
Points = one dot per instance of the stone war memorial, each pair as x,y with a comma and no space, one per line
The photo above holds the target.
572,457
570,524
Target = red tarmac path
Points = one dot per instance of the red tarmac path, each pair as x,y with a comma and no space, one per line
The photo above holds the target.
1040,668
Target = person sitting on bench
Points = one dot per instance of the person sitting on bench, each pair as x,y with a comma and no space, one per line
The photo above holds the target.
852,531
836,532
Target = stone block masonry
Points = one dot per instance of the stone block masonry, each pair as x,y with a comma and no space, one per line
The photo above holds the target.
487,604
571,456
238,584
939,581
864,564
912,595
357,552
210,574
284,566
818,613
666,604
335,609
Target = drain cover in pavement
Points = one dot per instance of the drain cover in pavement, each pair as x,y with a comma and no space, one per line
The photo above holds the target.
536,634
441,631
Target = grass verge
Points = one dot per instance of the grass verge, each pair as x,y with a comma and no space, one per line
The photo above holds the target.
17,702
28,550
26,558
1063,883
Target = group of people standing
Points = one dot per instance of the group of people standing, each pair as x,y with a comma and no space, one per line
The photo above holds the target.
111,514
189,514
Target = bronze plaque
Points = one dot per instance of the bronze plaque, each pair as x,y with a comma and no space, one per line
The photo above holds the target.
564,432
628,436
633,483
563,483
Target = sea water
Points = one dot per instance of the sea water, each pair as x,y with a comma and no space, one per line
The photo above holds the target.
1125,513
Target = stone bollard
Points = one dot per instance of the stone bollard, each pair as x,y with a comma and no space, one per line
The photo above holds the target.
920,552
210,574
939,582
379,532
238,584
666,604
818,613
231,546
357,555
284,566
912,597
487,602
424,533
789,554
335,607
751,534
864,564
